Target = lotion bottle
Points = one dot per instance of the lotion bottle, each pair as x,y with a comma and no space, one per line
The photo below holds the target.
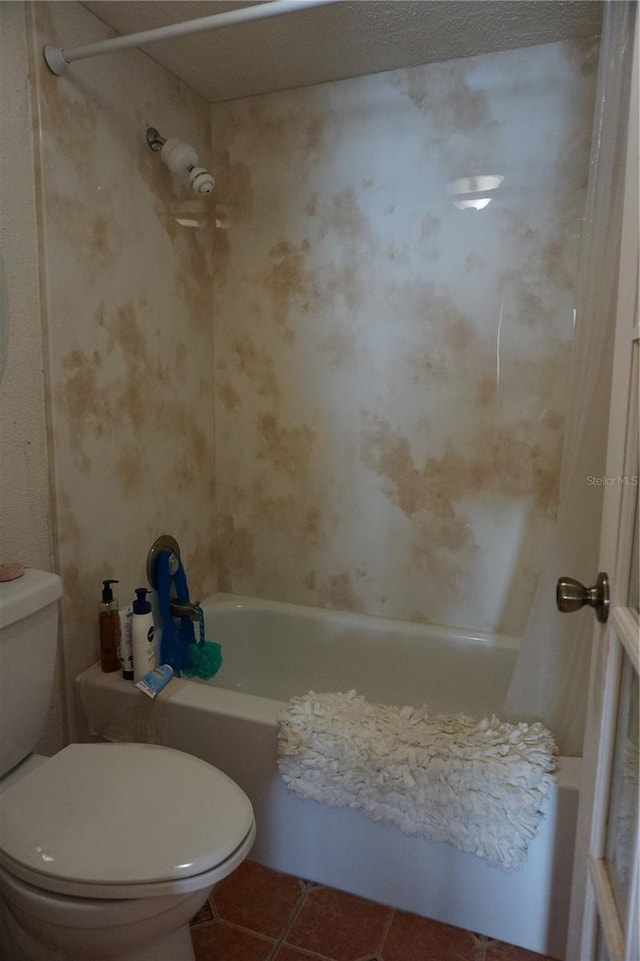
142,631
109,625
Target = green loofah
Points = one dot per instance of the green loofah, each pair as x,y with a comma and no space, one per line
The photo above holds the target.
206,660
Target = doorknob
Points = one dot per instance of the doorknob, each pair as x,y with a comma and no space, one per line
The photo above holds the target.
571,595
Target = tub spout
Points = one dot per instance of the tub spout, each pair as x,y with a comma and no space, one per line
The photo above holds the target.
185,609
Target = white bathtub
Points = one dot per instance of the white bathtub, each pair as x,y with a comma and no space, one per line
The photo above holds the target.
273,651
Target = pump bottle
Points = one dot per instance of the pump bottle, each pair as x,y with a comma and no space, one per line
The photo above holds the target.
144,651
109,624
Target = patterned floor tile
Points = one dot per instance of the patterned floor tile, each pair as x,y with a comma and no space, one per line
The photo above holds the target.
338,925
261,915
499,951
221,942
286,953
258,899
412,938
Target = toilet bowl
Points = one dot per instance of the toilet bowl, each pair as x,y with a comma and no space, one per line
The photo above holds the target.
106,850
48,927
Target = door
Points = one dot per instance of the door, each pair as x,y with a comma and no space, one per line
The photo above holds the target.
606,889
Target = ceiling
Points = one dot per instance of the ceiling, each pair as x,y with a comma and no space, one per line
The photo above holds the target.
341,40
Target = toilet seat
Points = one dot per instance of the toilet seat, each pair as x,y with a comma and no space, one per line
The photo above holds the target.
123,821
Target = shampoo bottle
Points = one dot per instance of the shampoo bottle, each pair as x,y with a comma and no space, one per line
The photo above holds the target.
144,651
109,624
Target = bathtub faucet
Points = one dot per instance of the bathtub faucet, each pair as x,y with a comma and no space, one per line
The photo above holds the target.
185,609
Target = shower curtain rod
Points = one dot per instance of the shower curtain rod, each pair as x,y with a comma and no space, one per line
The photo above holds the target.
59,58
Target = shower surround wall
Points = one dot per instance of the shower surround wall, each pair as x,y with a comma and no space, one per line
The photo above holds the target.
25,515
391,370
127,293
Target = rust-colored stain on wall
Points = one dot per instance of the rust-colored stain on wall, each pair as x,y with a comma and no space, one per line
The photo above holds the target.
141,395
337,591
100,237
255,364
234,184
286,449
496,460
345,216
287,282
447,101
297,517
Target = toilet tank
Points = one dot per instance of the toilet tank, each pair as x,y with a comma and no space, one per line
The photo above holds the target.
28,642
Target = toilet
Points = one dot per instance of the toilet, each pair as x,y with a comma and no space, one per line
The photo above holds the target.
106,850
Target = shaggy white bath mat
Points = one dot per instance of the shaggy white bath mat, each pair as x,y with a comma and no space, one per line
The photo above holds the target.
476,784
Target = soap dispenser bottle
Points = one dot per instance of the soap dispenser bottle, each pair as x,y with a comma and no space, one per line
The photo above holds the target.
109,624
142,631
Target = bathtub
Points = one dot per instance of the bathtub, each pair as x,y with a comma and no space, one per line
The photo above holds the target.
273,651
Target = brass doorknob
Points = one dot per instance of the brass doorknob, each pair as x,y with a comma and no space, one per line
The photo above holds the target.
571,595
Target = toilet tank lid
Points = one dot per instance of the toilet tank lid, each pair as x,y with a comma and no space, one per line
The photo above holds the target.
25,595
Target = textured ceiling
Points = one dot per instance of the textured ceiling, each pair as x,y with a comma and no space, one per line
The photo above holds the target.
340,40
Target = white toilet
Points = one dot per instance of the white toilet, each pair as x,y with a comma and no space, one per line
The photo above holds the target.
106,850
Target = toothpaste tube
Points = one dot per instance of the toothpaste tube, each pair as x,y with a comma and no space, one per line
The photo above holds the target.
126,646
153,682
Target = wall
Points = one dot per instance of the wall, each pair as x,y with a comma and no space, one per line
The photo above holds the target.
127,294
25,527
370,455
391,370
25,517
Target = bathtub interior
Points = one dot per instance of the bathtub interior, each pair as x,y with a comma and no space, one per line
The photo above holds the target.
278,651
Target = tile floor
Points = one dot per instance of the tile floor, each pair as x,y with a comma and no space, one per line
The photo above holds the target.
260,915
